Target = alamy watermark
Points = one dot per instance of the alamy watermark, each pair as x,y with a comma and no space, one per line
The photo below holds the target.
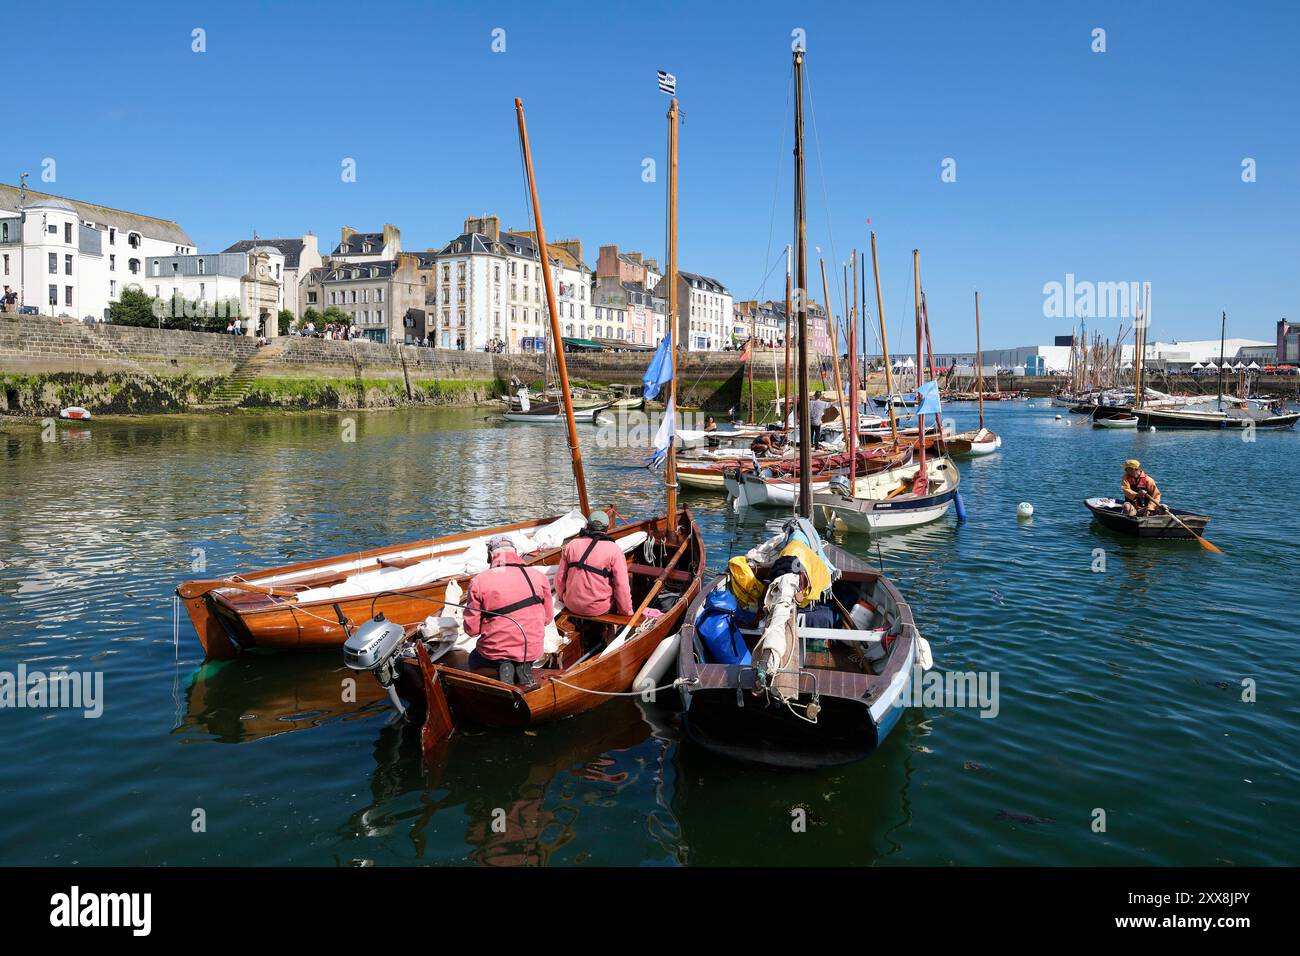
64,690
1084,299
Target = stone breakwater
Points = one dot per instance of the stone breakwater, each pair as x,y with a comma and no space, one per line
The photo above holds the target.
48,364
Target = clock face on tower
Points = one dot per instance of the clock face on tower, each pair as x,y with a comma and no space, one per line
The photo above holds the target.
261,270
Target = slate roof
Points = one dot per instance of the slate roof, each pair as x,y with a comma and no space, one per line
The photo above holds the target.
357,241
161,229
291,249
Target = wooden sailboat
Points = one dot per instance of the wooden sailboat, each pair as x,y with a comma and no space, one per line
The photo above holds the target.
982,440
900,498
436,679
785,692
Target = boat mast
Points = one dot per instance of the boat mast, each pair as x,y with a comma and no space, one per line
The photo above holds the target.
853,382
801,227
884,342
574,450
670,472
789,308
979,359
1223,333
833,328
753,343
922,478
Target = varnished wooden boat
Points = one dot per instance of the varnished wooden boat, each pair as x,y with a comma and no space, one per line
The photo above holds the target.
845,704
578,677
1110,514
262,608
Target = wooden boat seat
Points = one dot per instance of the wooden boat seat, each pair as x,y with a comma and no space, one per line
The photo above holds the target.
840,634
650,571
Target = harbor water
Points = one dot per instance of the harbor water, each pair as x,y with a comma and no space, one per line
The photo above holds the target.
1145,710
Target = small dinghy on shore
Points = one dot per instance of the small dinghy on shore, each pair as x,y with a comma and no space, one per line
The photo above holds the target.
1171,523
76,413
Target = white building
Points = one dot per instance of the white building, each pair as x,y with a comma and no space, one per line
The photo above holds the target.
72,258
254,279
704,312
489,286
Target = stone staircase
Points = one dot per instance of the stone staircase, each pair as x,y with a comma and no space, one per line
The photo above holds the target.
235,387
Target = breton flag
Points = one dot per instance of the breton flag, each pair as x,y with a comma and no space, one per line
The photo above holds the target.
667,83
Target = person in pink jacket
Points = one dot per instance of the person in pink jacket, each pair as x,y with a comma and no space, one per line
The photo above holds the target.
507,609
592,576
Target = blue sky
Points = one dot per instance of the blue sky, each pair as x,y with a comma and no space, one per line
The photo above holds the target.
1115,166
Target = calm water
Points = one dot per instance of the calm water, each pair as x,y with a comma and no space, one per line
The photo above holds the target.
1120,690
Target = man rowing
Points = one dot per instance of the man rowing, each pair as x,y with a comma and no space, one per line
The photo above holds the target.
1141,496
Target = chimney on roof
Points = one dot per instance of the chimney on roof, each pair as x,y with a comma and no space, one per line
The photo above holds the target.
652,265
635,257
348,233
489,226
607,261
392,237
572,246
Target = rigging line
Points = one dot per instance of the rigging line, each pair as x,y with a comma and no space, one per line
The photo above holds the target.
776,184
821,170
537,258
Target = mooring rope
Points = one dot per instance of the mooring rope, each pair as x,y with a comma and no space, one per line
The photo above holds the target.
680,681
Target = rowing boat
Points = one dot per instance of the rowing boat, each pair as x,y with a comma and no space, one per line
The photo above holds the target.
1110,513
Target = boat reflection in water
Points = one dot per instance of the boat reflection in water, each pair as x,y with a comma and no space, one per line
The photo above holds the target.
262,695
501,798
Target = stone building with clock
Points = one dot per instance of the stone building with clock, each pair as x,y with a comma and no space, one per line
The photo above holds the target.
253,279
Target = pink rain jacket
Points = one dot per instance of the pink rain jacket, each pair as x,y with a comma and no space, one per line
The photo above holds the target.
503,586
597,585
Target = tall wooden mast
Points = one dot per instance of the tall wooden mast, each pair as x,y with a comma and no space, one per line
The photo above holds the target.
979,360
575,451
853,382
884,341
801,238
832,328
921,476
789,308
670,407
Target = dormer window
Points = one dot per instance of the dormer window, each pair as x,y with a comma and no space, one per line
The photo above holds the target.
366,247
345,248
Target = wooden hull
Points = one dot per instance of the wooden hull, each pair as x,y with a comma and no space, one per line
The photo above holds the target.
480,699
858,710
264,612
1149,526
979,442
865,515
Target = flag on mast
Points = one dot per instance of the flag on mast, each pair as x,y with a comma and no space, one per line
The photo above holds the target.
667,83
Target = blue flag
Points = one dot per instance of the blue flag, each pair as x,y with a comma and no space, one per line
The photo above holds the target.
660,370
928,395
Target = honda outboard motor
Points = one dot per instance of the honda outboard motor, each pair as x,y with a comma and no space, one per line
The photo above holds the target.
840,485
376,647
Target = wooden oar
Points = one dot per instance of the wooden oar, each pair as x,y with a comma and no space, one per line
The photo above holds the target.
1208,546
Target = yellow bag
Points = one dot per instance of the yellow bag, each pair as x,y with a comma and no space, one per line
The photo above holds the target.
819,575
748,589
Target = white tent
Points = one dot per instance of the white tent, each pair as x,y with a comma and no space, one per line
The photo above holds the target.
1253,367
1197,367
1211,367
1239,366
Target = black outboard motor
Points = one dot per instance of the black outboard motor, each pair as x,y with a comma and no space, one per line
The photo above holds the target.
376,646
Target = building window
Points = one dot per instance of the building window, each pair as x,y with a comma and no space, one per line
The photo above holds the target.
202,267
54,263
112,263
67,233
354,296
53,230
67,265
67,295
54,295
133,240
112,288
379,316
203,291
157,267
134,266
112,236
6,264
311,298
379,295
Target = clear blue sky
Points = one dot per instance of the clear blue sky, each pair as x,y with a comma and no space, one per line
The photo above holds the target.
1119,166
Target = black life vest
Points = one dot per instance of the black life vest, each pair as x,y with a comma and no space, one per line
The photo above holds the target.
535,598
582,565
